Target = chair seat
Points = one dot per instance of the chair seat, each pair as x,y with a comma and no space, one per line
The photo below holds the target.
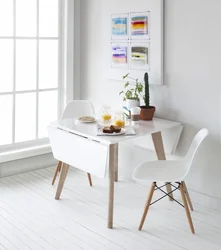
166,171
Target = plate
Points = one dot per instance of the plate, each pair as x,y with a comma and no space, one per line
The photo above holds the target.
86,119
113,134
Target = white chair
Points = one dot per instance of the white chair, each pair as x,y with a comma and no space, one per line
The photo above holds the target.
76,108
169,171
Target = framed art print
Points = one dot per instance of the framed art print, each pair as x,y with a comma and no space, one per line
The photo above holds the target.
119,55
139,56
136,38
119,26
139,25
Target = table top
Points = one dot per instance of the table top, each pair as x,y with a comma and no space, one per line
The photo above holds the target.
89,130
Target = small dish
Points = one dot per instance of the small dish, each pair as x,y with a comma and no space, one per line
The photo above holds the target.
86,119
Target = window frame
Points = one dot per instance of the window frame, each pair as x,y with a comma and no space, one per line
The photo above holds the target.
65,70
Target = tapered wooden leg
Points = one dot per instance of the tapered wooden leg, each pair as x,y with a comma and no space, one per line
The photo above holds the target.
187,196
116,162
56,171
147,204
89,179
158,145
60,168
63,175
186,207
112,161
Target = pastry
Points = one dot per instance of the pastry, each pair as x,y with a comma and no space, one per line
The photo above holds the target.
86,119
115,128
107,130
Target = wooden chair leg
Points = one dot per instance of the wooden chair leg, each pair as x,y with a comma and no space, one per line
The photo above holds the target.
89,179
63,175
187,196
186,207
58,169
147,204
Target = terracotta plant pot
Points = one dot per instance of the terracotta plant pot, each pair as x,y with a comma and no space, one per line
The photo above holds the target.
146,113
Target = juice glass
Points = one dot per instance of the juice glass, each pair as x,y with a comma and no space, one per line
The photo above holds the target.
106,113
119,120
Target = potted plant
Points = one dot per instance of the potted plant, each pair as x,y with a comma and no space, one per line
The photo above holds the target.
132,92
147,111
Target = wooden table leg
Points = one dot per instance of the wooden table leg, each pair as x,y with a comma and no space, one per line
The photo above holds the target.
58,169
112,160
158,145
116,161
63,175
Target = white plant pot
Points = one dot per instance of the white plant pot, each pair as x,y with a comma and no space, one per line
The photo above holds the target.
130,103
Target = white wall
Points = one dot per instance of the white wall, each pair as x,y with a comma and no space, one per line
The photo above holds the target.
191,93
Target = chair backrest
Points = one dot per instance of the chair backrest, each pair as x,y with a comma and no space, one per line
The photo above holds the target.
197,140
78,108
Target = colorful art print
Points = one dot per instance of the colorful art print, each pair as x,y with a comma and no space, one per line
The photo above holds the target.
119,54
119,26
139,25
136,40
139,56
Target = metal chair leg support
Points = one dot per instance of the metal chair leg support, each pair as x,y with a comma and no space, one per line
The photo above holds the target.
183,191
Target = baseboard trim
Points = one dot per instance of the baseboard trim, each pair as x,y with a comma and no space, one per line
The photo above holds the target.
26,164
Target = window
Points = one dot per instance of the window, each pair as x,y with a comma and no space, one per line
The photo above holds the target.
30,70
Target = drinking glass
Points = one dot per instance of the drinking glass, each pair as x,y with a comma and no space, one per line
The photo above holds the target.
106,113
119,120
135,114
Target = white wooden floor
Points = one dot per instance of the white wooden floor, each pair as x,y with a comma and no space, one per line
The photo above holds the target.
30,217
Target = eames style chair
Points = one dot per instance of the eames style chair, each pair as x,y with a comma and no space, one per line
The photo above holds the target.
169,171
76,108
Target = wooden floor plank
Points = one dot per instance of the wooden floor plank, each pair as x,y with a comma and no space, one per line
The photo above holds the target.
129,215
33,219
9,225
123,232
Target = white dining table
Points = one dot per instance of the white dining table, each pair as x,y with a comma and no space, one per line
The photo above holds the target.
79,145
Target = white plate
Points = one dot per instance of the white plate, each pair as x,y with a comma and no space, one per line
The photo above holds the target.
86,121
120,133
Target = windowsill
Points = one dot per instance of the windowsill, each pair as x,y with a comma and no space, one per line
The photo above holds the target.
25,153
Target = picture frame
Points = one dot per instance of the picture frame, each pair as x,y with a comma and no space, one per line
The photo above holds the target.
139,25
119,55
119,26
149,35
139,55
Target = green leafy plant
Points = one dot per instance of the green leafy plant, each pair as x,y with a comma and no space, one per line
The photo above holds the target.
133,88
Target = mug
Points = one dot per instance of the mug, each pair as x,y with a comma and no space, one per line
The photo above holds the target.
135,114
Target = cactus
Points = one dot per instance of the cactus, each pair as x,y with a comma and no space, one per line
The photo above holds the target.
146,90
